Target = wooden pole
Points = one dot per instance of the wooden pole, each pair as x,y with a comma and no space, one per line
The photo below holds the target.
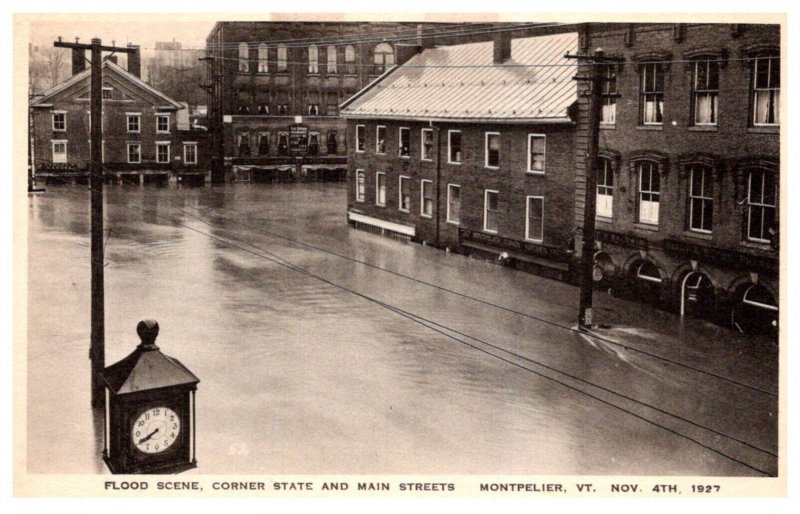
96,184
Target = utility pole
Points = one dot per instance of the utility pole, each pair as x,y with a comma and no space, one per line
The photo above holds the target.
97,351
597,62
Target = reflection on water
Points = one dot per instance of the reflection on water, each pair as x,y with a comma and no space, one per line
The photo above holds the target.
299,376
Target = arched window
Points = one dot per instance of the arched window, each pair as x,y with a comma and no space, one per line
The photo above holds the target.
244,56
383,57
758,296
263,58
313,59
350,59
648,271
281,58
331,59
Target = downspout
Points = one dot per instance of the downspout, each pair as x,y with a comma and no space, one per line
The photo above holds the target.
438,180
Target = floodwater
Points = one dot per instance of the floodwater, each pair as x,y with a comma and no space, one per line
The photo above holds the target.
324,349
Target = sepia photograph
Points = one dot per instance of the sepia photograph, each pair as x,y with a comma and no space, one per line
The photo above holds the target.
321,254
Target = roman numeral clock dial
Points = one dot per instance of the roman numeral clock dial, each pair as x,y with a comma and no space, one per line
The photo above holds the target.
156,429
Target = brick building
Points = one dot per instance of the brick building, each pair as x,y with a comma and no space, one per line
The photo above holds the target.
142,138
274,88
466,147
687,194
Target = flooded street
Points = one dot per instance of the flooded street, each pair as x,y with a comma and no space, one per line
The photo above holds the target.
324,349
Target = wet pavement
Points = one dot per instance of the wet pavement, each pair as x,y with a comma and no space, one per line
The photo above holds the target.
324,349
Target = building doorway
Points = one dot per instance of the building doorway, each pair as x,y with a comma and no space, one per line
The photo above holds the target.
756,310
698,299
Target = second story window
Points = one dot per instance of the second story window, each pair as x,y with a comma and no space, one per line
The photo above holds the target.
134,122
383,57
492,158
331,59
360,142
605,189
190,153
313,59
652,94
244,144
766,90
609,88
350,59
761,203
282,58
405,194
380,189
313,109
283,143
491,210
162,153
331,142
380,139
360,187
134,153
244,58
263,143
536,153
162,124
59,121
649,192
706,92
263,58
454,146
453,203
426,152
404,142
701,198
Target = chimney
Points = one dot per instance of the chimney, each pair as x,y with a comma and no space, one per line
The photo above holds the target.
135,61
112,58
78,60
424,41
502,47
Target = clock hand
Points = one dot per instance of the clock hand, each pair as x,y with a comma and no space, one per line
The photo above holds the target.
148,436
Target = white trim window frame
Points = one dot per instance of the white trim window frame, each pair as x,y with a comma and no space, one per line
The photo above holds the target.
651,92
361,141
453,204
537,238
537,165
54,143
487,150
605,189
404,193
162,159
59,121
426,147
491,225
186,146
380,189
380,139
766,91
705,94
361,178
404,147
138,153
701,199
454,159
649,192
133,121
426,201
159,119
761,205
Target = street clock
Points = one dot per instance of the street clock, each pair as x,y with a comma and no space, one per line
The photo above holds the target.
149,410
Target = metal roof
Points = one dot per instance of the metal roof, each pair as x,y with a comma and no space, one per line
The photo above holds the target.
461,83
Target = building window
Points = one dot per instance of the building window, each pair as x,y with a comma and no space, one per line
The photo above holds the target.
405,194
263,58
263,143
491,208
649,192
244,58
706,92
426,198
360,186
313,109
162,123
453,203
283,143
190,153
350,59
244,144
380,189
701,198
107,93
427,145
263,108
59,151
59,121
383,57
534,219
380,139
134,124
331,59
605,188
332,145
243,109
652,94
766,90
282,59
761,202
313,143
134,153
454,146
609,88
648,272
404,142
492,150
162,153
536,153
360,143
283,109
313,59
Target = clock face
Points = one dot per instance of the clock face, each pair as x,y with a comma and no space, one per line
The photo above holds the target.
156,429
